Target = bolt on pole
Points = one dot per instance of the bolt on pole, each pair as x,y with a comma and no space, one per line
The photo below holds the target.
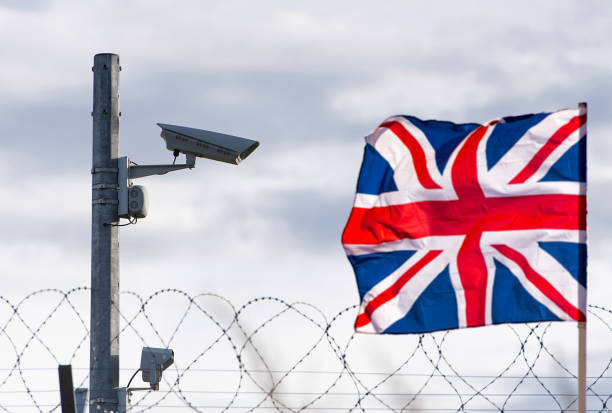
104,326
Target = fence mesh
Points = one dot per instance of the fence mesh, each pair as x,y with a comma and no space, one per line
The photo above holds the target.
272,355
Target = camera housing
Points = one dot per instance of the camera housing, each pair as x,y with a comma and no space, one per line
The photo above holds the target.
179,139
153,361
207,144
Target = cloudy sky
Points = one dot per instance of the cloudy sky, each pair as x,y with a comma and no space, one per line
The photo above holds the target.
308,80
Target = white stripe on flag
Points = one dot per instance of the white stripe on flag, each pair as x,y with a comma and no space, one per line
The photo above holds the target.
397,308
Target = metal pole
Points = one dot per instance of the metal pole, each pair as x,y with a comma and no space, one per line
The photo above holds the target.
581,367
582,354
104,326
66,388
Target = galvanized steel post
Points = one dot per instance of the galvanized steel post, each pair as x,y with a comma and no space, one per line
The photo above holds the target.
104,326
582,325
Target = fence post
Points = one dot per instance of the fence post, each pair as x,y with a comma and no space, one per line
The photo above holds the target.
104,326
66,388
582,326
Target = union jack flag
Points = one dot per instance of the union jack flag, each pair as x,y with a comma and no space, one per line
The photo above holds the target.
464,225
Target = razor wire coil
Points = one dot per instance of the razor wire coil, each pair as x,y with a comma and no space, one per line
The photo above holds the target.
256,358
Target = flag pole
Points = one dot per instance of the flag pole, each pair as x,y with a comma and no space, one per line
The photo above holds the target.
582,327
581,367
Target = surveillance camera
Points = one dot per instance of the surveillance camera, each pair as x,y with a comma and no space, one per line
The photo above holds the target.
206,144
153,361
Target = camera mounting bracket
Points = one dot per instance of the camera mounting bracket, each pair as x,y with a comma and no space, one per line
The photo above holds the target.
128,172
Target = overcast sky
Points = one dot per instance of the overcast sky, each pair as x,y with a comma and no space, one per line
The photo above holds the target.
308,80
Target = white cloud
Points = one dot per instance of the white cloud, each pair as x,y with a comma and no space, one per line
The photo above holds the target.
429,60
51,48
409,91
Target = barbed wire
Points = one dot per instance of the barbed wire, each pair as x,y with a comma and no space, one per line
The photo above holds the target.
272,355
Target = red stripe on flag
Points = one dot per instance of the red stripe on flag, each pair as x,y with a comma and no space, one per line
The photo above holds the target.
430,218
465,168
473,274
553,142
541,283
417,153
391,292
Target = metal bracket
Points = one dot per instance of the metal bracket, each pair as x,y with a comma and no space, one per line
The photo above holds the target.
104,201
80,397
140,171
123,182
105,186
128,172
99,170
102,400
123,396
